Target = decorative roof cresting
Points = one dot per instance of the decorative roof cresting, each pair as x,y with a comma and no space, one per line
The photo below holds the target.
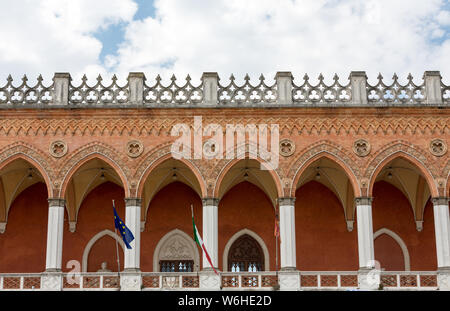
209,92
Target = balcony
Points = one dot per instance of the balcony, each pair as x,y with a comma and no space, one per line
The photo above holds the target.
189,281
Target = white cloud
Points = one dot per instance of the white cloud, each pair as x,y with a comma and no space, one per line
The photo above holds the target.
313,36
55,35
229,36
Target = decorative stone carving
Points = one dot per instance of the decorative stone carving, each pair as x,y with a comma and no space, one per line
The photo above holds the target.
419,225
176,248
443,277
363,201
209,281
289,280
130,282
176,245
350,225
171,282
58,149
134,148
286,201
51,282
438,147
368,279
2,227
287,147
361,147
72,226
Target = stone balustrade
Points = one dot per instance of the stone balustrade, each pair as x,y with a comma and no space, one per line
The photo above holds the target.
265,280
282,92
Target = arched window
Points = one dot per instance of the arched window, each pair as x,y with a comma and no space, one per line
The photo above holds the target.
176,252
245,255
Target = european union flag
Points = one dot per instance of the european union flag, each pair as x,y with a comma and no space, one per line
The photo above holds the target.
126,234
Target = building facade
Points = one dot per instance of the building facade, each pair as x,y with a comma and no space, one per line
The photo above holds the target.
354,177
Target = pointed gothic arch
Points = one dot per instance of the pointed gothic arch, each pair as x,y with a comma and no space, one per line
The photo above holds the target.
92,242
176,245
400,242
256,238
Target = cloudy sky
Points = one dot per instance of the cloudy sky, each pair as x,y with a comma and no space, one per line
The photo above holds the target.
226,36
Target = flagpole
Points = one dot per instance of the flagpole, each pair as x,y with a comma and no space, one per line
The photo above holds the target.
117,250
276,241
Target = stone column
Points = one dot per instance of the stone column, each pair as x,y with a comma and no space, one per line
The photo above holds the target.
368,278
287,234
52,279
210,232
442,231
130,278
289,278
208,279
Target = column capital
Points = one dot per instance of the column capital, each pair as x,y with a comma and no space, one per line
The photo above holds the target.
440,200
133,201
363,200
56,202
210,201
286,201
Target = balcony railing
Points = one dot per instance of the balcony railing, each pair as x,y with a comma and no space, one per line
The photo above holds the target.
267,280
209,92
405,280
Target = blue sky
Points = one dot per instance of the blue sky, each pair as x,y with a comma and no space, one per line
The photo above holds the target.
112,36
226,36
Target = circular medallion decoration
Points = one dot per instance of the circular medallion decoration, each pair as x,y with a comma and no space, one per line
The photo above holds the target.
287,147
361,147
438,147
210,149
58,148
134,148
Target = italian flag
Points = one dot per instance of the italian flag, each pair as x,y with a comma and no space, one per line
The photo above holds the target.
199,241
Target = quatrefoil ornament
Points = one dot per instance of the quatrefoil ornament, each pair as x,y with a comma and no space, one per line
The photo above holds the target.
361,147
134,148
58,148
287,147
438,147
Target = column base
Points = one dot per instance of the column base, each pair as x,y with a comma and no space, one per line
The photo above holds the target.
289,280
369,279
443,278
289,269
51,281
209,280
132,270
209,269
130,281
